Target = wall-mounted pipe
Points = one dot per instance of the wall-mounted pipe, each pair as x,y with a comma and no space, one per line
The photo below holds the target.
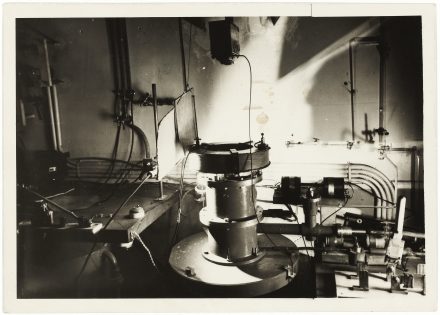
49,97
387,195
383,177
351,45
378,202
382,186
377,190
182,53
57,117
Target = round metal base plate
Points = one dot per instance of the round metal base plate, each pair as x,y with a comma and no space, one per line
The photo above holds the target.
222,261
263,276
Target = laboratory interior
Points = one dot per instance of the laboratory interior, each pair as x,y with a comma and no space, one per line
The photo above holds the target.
220,157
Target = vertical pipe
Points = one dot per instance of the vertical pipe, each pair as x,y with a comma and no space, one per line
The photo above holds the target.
156,127
46,56
49,96
413,178
420,201
381,94
350,52
126,53
52,119
382,82
196,130
182,51
156,135
57,117
400,217
22,113
396,180
112,38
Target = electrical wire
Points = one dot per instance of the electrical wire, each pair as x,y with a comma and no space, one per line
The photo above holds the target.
250,152
292,212
297,221
179,211
136,236
123,175
78,278
114,154
59,194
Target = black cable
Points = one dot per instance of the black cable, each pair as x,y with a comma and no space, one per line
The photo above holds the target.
109,172
297,221
122,176
292,212
352,191
250,151
125,172
104,228
117,184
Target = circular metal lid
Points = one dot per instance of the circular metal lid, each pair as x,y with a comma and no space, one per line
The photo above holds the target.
227,158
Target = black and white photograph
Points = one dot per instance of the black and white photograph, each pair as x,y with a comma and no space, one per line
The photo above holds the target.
240,154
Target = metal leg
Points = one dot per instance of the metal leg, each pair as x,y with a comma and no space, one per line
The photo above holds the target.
161,195
363,279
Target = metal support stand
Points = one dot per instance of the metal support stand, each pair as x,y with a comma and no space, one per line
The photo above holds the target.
156,134
363,279
161,195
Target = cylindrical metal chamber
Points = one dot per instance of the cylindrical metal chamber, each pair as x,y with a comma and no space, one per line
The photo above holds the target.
230,220
232,198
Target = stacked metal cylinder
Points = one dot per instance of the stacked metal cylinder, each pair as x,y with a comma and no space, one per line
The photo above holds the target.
230,220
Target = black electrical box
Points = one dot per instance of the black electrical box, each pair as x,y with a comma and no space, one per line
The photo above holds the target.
223,36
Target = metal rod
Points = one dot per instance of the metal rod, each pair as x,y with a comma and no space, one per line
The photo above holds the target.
350,52
352,42
401,217
22,113
396,180
382,84
161,189
182,51
156,133
295,229
156,126
46,56
196,130
367,207
71,213
413,234
52,118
